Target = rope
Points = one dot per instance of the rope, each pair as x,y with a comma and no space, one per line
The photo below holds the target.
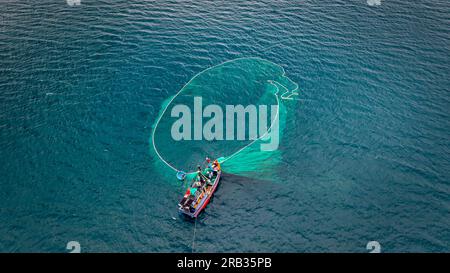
193,238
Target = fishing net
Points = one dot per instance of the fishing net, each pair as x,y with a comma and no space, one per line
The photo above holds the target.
199,120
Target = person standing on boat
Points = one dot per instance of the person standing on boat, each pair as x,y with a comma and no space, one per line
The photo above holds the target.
201,176
216,166
209,170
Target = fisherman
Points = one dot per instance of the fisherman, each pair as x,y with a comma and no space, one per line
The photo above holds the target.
216,166
188,198
197,184
201,176
209,162
208,170
209,173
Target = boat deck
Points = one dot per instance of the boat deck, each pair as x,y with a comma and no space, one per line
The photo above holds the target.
193,205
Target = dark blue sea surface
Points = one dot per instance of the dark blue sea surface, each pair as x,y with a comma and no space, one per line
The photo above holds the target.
366,157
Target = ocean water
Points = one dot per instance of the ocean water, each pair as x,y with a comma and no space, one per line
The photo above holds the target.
364,158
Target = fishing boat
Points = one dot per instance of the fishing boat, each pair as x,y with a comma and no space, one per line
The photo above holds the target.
199,193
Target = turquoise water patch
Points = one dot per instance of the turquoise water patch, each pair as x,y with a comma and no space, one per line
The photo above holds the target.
249,83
